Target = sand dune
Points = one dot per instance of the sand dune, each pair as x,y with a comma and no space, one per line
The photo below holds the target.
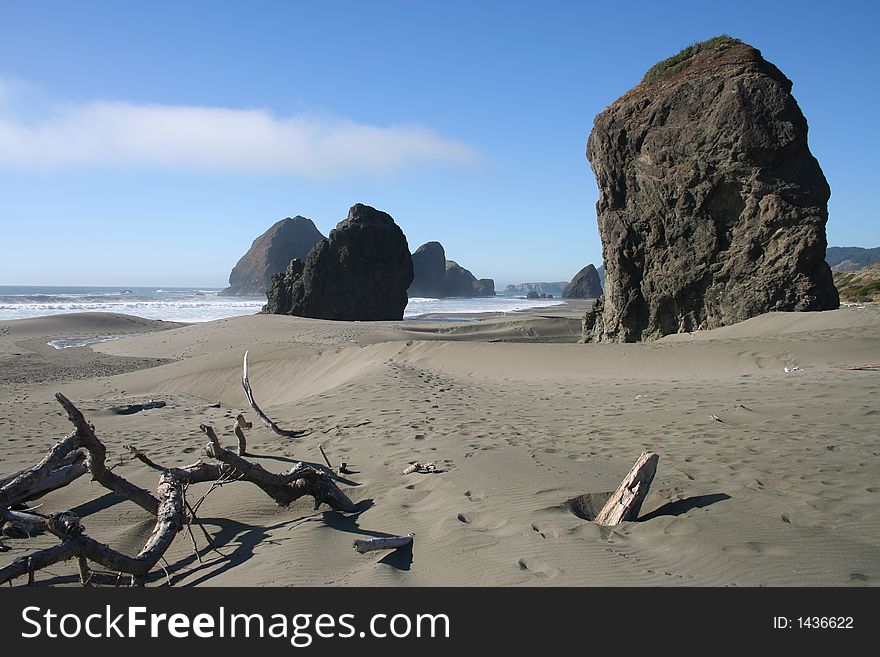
526,427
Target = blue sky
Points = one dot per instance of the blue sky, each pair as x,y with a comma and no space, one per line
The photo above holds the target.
150,143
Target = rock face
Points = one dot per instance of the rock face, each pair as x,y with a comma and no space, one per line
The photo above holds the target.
359,273
484,287
711,207
459,281
436,277
584,285
429,271
269,254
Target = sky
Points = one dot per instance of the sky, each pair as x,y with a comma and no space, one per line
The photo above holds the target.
150,143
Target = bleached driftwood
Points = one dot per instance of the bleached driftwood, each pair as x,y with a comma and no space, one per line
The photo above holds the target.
97,453
70,468
424,468
324,454
242,441
245,383
168,506
286,487
363,545
627,500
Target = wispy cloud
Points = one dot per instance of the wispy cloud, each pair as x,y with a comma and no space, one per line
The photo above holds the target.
120,134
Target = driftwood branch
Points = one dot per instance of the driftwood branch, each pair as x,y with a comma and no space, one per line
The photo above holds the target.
31,488
18,485
423,468
168,506
324,454
283,488
627,500
242,441
245,383
97,453
389,543
169,520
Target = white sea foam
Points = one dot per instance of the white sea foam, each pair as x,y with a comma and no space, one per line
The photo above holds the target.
82,342
204,305
419,306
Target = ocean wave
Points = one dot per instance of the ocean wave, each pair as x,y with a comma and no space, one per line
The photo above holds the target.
174,311
190,305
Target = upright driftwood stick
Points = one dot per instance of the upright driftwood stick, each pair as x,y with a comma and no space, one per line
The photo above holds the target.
242,441
260,414
627,500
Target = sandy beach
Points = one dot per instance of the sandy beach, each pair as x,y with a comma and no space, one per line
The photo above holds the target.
765,477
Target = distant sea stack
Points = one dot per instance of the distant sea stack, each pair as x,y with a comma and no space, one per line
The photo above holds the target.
555,288
359,273
436,277
584,285
429,271
711,207
270,253
461,283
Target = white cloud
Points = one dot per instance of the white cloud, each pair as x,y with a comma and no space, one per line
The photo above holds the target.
119,134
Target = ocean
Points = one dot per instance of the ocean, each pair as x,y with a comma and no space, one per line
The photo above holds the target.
186,304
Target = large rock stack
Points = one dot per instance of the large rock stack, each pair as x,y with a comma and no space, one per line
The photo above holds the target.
435,276
711,207
360,272
584,285
429,271
270,253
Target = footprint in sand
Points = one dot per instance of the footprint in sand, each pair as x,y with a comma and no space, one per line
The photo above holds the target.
545,532
482,521
757,548
538,568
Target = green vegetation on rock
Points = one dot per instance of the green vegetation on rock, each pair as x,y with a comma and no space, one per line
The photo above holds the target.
682,60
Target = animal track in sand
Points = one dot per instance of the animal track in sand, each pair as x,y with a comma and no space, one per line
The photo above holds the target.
474,496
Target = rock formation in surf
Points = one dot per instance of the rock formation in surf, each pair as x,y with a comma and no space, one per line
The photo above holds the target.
435,276
270,253
711,207
541,288
429,271
461,283
584,285
359,273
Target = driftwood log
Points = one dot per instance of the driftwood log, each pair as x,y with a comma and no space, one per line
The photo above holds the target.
627,500
423,468
363,545
245,383
169,505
